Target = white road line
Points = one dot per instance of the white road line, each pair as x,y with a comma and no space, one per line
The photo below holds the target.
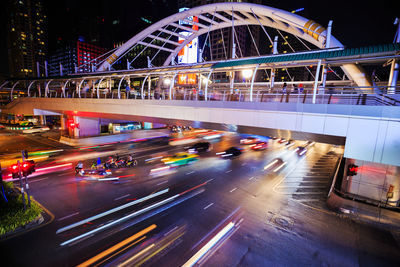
68,216
189,173
62,174
209,205
233,189
37,180
121,197
209,180
228,171
251,178
163,182
243,164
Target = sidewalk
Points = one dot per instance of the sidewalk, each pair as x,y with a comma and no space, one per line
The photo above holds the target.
363,212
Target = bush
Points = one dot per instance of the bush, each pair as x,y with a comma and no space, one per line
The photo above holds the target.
12,214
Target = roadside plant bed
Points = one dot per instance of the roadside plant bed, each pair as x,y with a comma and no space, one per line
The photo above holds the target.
12,214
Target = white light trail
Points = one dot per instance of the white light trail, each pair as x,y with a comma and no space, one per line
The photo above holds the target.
196,257
95,217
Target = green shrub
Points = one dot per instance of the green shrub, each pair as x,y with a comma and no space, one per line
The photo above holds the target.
12,214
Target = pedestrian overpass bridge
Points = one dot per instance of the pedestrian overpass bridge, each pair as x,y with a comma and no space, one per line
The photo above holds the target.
357,111
370,133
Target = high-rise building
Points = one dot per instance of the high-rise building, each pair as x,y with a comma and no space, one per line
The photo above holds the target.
26,37
75,57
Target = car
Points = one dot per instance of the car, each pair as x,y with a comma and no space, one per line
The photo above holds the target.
259,145
231,152
282,140
180,159
200,147
249,140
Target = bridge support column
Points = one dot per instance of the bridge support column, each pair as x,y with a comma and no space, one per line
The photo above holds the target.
232,81
87,127
42,119
274,51
171,86
206,86
316,82
394,73
252,82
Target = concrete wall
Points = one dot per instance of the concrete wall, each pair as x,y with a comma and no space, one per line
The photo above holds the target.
372,133
373,181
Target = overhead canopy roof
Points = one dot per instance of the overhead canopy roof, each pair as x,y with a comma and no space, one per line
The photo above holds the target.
312,55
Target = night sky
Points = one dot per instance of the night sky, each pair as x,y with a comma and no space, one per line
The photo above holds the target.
355,23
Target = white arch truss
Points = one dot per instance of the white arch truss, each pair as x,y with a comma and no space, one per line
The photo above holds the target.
221,15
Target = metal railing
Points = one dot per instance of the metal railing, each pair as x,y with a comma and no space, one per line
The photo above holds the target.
376,96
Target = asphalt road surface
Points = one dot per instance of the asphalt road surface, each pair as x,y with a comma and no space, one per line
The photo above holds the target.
262,208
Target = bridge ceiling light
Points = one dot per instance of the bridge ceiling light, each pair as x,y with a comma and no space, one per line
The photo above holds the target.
247,73
167,81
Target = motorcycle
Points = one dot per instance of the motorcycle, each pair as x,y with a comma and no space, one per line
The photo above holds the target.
131,163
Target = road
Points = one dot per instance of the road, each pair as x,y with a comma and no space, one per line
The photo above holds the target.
249,211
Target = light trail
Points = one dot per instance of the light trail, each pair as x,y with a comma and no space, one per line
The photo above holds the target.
117,246
196,257
280,167
129,216
111,211
269,165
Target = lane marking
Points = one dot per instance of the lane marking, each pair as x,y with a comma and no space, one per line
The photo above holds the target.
228,171
189,173
233,189
244,164
111,211
209,205
209,180
68,216
251,178
163,182
121,197
37,180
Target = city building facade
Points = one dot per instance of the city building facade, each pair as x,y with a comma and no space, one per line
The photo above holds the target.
26,37
75,57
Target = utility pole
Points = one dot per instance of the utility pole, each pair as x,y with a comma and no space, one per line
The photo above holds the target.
21,184
24,157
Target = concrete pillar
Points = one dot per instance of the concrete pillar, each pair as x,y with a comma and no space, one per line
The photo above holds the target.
42,119
63,122
85,127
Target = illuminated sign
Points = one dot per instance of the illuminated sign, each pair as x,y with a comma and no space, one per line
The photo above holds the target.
187,78
188,54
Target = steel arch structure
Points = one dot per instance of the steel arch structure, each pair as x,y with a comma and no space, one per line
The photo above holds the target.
223,15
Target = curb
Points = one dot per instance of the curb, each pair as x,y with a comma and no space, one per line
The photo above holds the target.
33,225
